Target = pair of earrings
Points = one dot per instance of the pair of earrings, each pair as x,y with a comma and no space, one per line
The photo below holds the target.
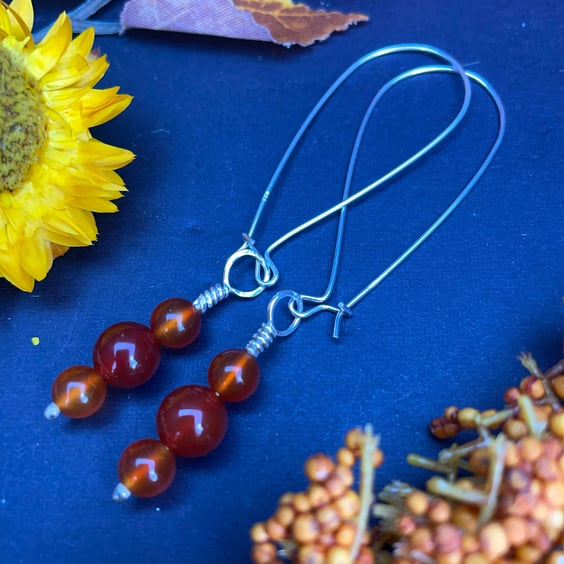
192,419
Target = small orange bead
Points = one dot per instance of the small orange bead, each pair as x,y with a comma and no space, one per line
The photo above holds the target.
78,392
176,323
146,468
234,375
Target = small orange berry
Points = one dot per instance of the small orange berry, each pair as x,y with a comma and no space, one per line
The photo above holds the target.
439,511
346,534
310,554
558,386
305,528
422,539
530,448
556,424
328,518
275,530
258,533
284,515
335,487
476,558
348,505
467,417
346,457
447,539
417,502
515,429
264,553
554,493
354,440
338,555
493,541
318,467
377,458
516,530
318,495
528,553
301,502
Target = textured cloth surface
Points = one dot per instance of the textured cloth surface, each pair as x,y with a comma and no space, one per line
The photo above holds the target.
210,120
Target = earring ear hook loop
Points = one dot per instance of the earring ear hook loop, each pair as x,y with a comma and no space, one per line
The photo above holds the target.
266,272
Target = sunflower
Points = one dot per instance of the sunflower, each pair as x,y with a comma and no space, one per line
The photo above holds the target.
53,173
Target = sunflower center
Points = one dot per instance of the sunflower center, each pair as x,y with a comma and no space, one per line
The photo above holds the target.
23,122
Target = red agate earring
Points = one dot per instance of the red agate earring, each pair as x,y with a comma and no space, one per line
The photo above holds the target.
127,354
192,420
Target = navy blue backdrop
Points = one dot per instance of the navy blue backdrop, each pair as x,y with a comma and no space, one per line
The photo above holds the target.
210,120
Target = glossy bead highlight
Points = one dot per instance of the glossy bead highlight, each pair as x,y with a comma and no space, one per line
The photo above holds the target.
192,421
176,323
146,468
127,354
234,375
78,391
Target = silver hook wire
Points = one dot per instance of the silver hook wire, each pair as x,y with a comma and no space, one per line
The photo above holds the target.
266,272
345,308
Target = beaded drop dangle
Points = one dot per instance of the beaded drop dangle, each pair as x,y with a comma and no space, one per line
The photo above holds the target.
192,420
127,354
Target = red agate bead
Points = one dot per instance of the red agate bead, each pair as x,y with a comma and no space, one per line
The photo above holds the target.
146,468
77,392
127,354
176,323
192,421
234,375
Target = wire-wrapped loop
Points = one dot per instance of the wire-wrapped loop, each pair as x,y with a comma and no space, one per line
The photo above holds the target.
261,340
211,297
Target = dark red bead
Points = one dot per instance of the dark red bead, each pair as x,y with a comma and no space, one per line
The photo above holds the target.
176,323
234,374
146,468
192,421
127,354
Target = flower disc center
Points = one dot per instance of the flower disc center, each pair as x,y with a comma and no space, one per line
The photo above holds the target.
23,122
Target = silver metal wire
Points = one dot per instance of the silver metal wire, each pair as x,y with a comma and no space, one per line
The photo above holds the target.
344,309
211,297
266,273
261,340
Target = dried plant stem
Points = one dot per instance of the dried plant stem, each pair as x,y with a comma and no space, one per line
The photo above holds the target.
369,446
535,426
495,476
531,365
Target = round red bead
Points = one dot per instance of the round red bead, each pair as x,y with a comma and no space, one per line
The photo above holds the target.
126,354
234,375
146,468
192,421
78,392
176,323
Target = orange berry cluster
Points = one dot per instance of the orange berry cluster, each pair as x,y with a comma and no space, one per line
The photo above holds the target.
325,523
509,508
544,391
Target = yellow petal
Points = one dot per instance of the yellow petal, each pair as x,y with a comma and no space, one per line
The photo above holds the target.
36,257
24,11
48,52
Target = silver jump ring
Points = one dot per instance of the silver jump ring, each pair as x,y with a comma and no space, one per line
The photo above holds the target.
260,265
295,304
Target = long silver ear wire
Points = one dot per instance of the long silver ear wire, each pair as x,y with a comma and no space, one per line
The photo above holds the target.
268,331
266,272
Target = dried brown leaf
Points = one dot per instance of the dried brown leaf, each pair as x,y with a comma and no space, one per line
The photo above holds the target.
278,21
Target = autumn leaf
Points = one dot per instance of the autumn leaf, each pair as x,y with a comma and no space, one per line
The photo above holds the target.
278,21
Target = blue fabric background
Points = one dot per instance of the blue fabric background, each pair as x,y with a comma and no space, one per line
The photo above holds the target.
210,120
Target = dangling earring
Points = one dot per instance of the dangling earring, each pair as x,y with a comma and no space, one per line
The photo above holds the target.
192,420
127,354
